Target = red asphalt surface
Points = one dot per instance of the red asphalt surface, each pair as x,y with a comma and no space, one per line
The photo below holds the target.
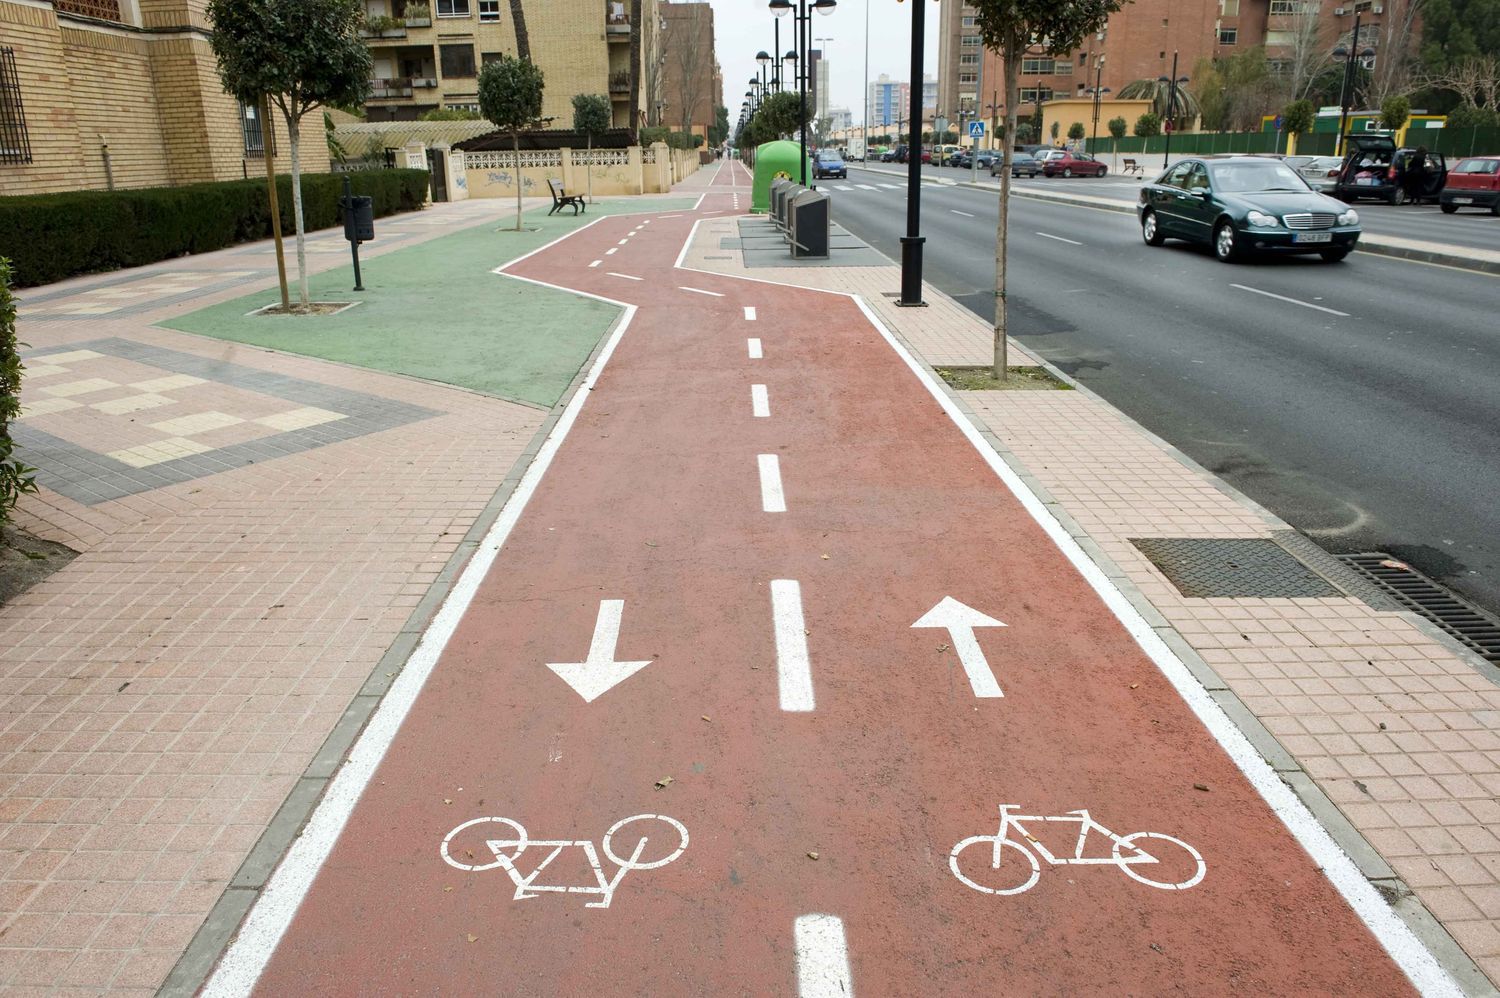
654,499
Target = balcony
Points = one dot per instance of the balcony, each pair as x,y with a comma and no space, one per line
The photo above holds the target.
619,84
382,26
616,22
393,88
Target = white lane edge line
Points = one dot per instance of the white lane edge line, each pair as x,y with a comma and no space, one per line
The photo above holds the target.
753,345
772,495
749,313
1290,301
267,921
1410,954
1070,242
700,291
963,213
793,667
627,277
822,957
760,402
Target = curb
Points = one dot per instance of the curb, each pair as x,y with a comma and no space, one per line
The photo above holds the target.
1373,245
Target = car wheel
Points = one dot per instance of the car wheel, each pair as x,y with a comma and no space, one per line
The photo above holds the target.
1449,209
1067,171
1398,197
1226,247
1150,231
1334,255
1103,170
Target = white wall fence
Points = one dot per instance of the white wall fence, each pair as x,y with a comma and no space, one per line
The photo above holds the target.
634,170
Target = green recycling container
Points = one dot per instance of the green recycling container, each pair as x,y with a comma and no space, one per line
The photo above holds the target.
772,160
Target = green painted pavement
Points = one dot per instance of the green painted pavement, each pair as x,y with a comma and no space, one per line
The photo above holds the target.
436,311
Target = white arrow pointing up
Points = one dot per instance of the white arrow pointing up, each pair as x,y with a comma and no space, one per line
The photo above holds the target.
601,672
959,621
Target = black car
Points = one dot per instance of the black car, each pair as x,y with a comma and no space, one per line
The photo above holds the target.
828,163
1374,168
1241,205
1021,165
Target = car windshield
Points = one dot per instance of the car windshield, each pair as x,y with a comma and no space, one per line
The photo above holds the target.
1269,175
1478,166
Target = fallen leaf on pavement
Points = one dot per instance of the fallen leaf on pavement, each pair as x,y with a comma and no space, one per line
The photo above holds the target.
1201,786
812,855
942,648
473,937
664,782
707,718
447,800
1134,685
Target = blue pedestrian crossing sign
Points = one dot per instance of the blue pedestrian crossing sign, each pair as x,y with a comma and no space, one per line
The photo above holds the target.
976,129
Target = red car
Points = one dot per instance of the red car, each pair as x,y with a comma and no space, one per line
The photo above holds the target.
1473,183
1073,164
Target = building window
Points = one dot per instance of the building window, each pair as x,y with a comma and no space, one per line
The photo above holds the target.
1228,36
1229,8
452,8
1035,95
489,10
969,59
105,10
1037,67
969,41
458,61
250,126
970,78
1290,7
15,144
1062,69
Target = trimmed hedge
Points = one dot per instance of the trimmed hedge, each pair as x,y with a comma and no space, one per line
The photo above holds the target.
50,237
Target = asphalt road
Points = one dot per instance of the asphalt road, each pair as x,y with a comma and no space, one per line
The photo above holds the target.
1375,429
1468,228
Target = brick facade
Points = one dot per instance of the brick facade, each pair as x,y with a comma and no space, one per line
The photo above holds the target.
692,84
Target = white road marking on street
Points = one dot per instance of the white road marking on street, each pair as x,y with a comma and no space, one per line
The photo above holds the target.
760,402
892,187
1290,301
1071,242
867,187
772,497
754,346
600,673
700,291
664,217
626,276
749,313
1410,953
596,263
793,668
246,958
841,187
622,242
959,621
612,251
822,957
963,213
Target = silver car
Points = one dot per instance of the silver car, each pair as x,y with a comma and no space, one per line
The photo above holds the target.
1320,172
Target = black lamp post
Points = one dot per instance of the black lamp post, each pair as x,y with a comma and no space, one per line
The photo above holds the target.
1346,94
802,22
1098,92
1172,83
764,58
911,243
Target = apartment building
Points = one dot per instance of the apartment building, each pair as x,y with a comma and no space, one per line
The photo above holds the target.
1140,40
890,100
121,93
427,55
692,86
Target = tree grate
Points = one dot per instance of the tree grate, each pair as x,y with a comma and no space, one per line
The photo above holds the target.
1474,627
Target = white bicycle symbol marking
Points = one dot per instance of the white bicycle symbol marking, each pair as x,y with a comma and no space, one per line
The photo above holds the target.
508,849
1127,854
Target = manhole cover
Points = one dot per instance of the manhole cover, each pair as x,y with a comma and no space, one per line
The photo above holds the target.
1228,568
1465,621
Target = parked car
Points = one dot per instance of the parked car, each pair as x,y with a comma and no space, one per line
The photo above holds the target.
898,154
828,163
1066,163
1021,164
1242,205
1374,168
926,155
1474,182
954,158
1320,172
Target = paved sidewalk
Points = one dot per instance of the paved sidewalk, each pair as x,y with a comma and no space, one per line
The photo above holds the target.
259,531
1388,730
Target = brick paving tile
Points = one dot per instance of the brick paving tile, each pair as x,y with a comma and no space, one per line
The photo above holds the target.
160,695
1395,727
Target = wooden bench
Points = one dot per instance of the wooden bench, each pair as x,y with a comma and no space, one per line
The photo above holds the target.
562,199
1131,166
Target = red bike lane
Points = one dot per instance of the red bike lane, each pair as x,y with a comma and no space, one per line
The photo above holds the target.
703,621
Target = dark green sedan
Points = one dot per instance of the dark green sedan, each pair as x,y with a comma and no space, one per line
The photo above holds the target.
1240,205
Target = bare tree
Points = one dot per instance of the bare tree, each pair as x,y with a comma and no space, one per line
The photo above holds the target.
690,61
1393,74
1308,51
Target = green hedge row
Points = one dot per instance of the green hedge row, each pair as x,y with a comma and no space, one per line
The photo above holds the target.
53,236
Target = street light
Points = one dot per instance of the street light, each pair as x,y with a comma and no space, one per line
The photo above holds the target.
1172,82
911,243
1346,94
802,23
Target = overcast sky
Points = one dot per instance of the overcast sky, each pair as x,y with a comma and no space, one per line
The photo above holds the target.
744,27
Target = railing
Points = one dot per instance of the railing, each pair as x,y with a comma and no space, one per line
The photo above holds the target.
107,10
616,16
394,87
619,83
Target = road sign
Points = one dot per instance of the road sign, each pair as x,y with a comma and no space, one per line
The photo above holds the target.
960,620
976,129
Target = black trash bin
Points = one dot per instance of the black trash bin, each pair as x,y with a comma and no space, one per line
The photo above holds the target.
359,218
811,219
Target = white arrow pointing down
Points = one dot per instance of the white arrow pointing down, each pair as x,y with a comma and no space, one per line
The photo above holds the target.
600,673
959,621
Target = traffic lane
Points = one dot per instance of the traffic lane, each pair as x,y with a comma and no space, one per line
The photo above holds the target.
888,505
1368,432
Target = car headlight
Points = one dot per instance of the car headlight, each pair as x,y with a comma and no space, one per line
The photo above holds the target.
1350,217
1261,218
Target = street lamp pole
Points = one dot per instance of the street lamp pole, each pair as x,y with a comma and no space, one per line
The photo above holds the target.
911,243
866,157
1171,107
1099,93
1345,96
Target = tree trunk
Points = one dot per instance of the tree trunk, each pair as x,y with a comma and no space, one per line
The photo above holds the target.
515,138
523,37
1012,95
294,135
635,65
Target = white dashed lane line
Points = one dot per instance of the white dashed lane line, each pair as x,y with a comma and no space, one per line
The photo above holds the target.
772,496
793,667
753,345
625,276
749,313
760,402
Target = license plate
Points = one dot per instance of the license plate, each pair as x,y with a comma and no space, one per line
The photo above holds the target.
1463,200
1312,237
1367,181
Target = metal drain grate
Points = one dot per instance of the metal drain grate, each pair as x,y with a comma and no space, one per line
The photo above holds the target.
1232,568
1415,591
